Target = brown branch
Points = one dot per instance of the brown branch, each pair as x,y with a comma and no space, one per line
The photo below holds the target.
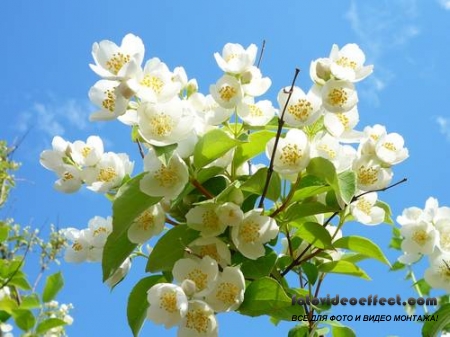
200,187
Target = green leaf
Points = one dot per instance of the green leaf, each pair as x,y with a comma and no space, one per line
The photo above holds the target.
265,296
53,285
255,184
4,230
432,328
363,246
397,266
299,331
255,269
8,305
342,331
129,203
387,212
310,191
310,271
343,267
353,258
48,324
138,304
212,145
300,210
30,302
423,286
20,281
347,185
256,144
24,319
170,248
315,234
165,153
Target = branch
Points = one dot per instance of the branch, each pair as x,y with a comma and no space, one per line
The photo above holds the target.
277,138
200,187
141,151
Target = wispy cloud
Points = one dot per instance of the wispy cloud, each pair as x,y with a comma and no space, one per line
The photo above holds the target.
444,126
445,4
54,117
383,27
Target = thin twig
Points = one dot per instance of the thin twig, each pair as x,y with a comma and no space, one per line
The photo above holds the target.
141,151
172,222
277,138
261,53
200,187
288,198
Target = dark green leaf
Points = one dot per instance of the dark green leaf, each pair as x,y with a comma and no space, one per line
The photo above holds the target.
311,272
211,146
254,269
129,203
53,285
170,248
363,246
138,304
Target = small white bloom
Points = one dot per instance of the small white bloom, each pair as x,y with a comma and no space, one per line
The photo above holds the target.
443,228
438,274
203,272
420,237
235,59
161,180
292,153
253,232
370,175
319,70
365,211
78,250
410,216
199,321
302,109
228,294
106,95
339,96
390,149
326,146
165,124
70,179
253,83
108,173
99,229
114,62
256,114
154,84
53,159
87,153
227,92
212,247
230,214
148,224
119,274
168,304
348,63
209,110
204,218
341,125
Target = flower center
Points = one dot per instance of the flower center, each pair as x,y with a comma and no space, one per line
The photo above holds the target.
420,237
255,111
145,220
166,176
227,293
199,277
364,206
67,176
100,230
168,302
85,151
328,150
338,96
367,176
290,154
162,124
116,62
344,120
153,82
390,146
197,320
109,103
77,246
227,93
106,174
249,231
210,220
346,63
301,110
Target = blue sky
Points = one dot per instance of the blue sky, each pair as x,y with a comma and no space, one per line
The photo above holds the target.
46,49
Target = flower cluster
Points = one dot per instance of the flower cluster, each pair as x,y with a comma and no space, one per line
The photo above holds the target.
85,162
426,232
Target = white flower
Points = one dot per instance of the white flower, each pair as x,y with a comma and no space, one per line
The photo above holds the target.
70,179
302,109
108,173
204,218
253,83
53,159
154,84
365,211
420,237
5,330
292,152
390,150
199,321
106,95
341,125
235,59
230,214
228,294
212,247
348,63
252,233
166,123
203,272
370,175
410,216
168,304
114,62
438,274
256,114
87,153
148,224
99,229
119,274
161,180
208,109
319,70
443,228
339,96
372,134
227,92
326,146
78,250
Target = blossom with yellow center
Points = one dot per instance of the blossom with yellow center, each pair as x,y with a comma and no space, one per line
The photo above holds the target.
228,294
106,96
438,274
347,63
339,96
198,321
204,218
365,211
147,224
235,59
227,92
212,247
419,238
370,174
302,109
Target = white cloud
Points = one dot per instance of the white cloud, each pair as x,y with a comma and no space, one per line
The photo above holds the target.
444,126
445,4
54,117
382,28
